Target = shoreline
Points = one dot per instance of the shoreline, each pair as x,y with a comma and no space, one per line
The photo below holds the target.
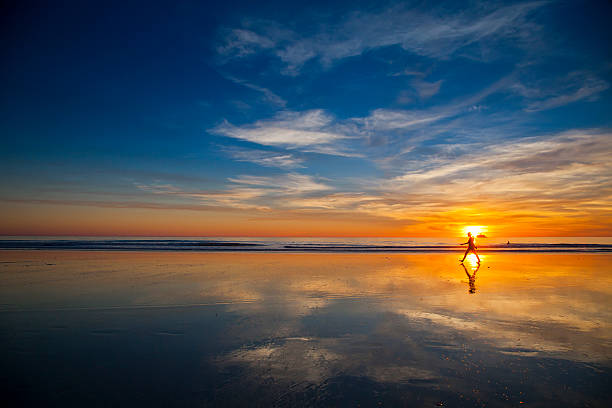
408,245
318,250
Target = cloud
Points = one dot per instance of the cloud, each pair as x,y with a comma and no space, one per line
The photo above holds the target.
265,158
408,72
288,184
426,89
574,87
245,191
396,119
386,119
558,178
311,131
563,175
436,36
545,184
317,131
241,42
335,201
525,156
267,94
112,204
234,197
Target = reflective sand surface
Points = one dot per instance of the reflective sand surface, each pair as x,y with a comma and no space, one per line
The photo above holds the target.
296,329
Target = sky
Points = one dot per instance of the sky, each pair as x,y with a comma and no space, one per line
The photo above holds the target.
317,118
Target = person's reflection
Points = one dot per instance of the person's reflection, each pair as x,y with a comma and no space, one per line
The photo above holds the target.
471,278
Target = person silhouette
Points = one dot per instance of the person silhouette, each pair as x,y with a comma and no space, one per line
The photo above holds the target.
471,247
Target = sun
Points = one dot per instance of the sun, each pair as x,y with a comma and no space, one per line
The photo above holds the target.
474,229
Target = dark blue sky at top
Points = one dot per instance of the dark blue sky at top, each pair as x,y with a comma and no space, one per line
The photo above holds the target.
103,97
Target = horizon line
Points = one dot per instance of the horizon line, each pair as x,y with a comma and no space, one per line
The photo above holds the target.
296,236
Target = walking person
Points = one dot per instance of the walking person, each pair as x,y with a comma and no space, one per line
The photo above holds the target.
471,247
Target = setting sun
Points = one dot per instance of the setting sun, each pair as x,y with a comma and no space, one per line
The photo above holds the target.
474,229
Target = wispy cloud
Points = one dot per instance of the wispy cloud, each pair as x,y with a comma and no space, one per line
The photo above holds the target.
561,172
426,89
241,42
264,158
320,132
334,201
317,131
240,197
535,155
562,91
393,119
560,178
267,94
288,184
437,36
312,131
246,191
564,175
386,119
538,184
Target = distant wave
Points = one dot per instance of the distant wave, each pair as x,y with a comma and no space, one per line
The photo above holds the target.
284,246
481,248
125,245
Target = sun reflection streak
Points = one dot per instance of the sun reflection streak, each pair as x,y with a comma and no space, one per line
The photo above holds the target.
473,261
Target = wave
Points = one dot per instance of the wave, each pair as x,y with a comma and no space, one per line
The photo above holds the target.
279,245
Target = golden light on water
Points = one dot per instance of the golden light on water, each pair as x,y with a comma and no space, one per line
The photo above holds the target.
474,229
472,261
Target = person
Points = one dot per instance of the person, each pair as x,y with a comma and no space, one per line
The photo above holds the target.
471,247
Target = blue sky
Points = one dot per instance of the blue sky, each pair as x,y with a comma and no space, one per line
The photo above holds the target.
404,116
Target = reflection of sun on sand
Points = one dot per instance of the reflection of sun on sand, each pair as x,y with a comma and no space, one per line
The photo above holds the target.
473,261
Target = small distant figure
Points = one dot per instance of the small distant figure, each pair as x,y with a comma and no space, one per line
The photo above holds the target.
508,243
471,247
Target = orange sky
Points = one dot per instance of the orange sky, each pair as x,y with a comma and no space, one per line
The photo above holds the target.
47,219
554,186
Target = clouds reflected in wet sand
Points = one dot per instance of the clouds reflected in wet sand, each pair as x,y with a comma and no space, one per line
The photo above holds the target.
305,329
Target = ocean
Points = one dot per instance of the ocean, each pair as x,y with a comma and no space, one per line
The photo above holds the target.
276,244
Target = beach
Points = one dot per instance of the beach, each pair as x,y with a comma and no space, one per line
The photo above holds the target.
306,204
239,328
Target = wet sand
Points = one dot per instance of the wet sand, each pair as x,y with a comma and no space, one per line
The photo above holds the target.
84,328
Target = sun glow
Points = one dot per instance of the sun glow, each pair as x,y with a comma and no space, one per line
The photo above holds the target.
474,229
472,261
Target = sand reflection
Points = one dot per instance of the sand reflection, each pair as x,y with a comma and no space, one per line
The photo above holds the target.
308,318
